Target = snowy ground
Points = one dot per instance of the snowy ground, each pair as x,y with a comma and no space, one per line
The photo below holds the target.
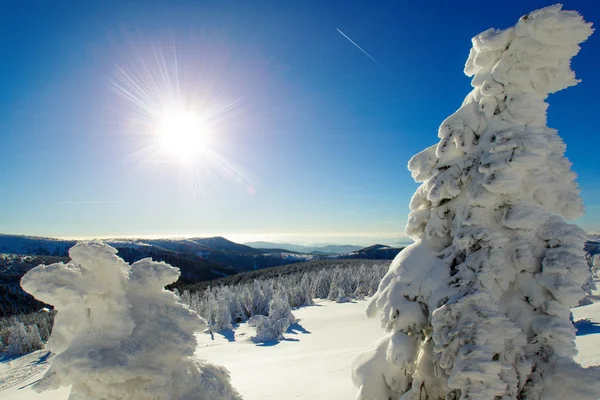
314,363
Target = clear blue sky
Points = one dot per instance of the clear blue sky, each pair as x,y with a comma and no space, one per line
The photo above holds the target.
322,132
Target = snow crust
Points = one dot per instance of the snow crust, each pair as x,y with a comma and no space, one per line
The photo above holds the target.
119,334
478,306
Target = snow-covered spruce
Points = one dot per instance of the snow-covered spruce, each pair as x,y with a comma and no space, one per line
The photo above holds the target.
225,306
478,306
119,334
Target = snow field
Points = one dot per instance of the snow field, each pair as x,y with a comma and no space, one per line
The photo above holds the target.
311,366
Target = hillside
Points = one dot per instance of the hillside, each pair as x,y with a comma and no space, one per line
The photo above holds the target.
208,253
199,259
12,267
283,270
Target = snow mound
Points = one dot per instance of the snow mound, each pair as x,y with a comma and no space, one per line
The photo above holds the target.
119,334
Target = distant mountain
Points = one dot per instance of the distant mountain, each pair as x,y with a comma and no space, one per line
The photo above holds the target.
375,252
321,250
199,259
13,300
592,246
31,245
199,245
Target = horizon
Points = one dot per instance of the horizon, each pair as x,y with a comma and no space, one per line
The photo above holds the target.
306,239
124,119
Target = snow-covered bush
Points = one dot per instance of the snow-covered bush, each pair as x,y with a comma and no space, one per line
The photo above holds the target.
273,326
478,306
23,339
268,330
119,334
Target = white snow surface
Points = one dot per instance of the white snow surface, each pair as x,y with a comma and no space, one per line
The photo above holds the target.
313,362
311,366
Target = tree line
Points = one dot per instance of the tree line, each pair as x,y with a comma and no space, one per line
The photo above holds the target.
271,293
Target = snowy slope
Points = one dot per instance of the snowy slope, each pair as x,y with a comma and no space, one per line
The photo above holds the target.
313,365
587,322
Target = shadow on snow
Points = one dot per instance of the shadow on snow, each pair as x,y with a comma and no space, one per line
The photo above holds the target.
586,327
296,328
275,342
228,334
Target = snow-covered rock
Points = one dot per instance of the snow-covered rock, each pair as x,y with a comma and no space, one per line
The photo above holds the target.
478,306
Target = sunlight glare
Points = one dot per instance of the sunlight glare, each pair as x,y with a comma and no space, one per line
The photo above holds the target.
183,135
184,132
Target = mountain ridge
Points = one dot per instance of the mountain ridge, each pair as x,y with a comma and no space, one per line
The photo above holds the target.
329,249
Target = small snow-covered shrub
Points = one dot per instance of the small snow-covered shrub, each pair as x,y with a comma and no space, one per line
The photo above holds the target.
118,334
23,339
341,296
273,326
268,330
479,306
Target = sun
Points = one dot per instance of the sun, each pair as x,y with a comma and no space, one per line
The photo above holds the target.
183,134
187,135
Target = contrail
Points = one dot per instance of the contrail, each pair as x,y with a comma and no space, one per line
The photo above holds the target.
96,202
360,48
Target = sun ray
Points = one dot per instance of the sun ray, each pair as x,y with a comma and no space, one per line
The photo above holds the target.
179,131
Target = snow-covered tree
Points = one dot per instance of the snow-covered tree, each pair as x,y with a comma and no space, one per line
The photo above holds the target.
273,326
594,263
478,306
321,284
279,307
260,303
300,293
268,330
44,329
339,282
23,339
222,310
119,334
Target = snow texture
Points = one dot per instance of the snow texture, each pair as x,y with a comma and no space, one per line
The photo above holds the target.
119,334
479,306
313,366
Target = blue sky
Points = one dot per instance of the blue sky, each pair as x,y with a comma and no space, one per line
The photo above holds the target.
318,134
